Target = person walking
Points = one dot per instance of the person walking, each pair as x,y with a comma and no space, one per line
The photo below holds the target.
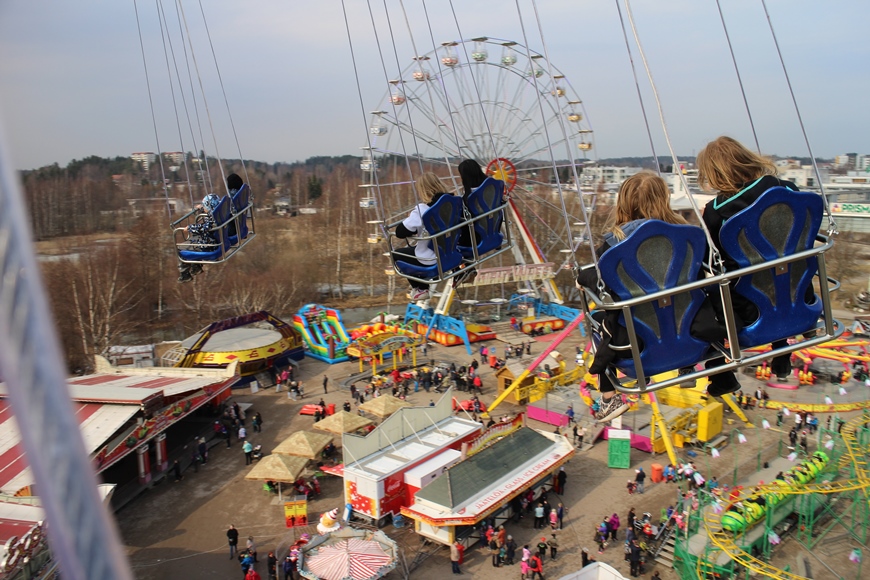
252,574
582,434
554,519
232,540
510,550
560,511
562,477
536,567
325,384
289,566
542,548
248,449
639,477
257,422
554,546
539,515
176,471
252,548
203,450
454,557
576,431
634,558
272,566
613,524
779,416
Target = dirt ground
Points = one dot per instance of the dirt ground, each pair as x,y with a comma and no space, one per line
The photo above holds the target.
177,530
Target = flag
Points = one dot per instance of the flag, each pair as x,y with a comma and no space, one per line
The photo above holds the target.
842,391
714,452
785,411
741,438
773,538
855,556
792,456
765,424
828,400
829,444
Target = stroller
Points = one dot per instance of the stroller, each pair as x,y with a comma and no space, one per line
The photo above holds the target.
257,452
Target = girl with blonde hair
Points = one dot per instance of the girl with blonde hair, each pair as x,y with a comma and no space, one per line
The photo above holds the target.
642,197
429,190
738,176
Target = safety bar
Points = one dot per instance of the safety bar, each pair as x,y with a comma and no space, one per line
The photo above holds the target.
829,327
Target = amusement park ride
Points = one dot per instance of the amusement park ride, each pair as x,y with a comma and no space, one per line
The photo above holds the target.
438,110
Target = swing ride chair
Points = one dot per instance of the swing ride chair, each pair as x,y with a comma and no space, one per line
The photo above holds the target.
445,220
233,229
653,274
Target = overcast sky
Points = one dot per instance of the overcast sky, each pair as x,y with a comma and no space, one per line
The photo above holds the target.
72,81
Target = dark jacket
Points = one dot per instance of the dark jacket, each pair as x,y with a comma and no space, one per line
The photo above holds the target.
718,212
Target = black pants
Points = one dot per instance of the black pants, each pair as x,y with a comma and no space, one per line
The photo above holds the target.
407,255
635,567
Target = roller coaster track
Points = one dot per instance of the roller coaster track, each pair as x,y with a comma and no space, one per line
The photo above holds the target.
725,541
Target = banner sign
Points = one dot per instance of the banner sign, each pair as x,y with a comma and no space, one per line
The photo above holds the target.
519,273
296,512
853,208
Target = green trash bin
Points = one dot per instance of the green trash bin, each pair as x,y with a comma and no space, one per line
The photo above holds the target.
619,448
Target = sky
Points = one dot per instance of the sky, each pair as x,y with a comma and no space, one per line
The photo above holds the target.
72,81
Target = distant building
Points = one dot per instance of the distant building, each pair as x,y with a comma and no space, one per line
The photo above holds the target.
609,174
145,159
175,157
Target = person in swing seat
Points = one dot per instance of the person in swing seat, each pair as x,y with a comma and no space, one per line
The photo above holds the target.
641,197
429,190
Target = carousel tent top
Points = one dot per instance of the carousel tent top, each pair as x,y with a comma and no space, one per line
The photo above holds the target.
279,468
383,406
342,422
304,444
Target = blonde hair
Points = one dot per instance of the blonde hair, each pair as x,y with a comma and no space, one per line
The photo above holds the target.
428,185
644,195
725,165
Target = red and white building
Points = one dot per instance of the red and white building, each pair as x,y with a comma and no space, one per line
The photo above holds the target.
384,469
122,413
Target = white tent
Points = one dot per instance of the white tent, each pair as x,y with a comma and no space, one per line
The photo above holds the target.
595,571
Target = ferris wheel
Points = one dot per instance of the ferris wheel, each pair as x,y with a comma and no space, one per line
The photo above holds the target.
502,104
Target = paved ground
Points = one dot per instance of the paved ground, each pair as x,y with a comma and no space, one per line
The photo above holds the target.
177,530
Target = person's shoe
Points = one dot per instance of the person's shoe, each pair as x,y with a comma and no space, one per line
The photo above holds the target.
418,294
782,378
610,410
185,276
195,269
723,384
686,384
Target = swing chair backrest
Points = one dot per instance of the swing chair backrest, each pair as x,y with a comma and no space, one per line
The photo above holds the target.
444,214
215,250
778,224
241,199
658,256
487,228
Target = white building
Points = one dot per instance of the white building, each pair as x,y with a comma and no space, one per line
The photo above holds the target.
175,157
145,158
609,174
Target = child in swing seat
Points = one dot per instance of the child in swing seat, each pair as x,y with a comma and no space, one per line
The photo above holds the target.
739,177
430,190
200,233
643,196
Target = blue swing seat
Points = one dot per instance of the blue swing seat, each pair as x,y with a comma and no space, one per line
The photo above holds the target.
778,224
487,230
444,214
241,199
222,217
658,256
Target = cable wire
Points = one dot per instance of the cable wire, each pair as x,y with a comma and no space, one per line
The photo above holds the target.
151,104
832,226
739,77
